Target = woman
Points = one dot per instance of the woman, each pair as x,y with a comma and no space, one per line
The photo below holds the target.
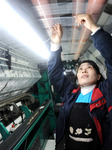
85,118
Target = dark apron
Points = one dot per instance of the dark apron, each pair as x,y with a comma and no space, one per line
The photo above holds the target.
81,133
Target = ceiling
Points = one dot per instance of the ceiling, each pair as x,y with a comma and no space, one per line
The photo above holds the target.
42,14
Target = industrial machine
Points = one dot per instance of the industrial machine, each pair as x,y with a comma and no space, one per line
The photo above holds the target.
29,104
27,120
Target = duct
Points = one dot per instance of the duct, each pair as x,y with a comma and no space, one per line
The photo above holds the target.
94,8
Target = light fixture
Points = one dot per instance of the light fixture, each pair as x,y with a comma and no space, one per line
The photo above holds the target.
64,73
21,30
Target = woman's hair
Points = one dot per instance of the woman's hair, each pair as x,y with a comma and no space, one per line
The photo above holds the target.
95,66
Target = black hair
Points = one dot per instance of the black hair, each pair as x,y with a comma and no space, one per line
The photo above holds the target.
95,66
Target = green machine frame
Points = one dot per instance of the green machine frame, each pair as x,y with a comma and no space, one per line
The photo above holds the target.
37,127
34,132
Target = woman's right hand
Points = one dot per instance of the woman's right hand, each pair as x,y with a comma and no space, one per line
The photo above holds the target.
57,32
87,20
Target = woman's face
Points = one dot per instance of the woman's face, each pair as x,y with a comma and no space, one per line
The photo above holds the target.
87,75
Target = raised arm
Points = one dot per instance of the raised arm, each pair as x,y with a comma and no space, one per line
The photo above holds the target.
55,66
101,39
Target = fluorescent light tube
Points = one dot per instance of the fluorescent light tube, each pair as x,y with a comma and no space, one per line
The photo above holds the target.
21,30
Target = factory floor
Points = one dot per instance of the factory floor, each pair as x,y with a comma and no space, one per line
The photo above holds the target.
50,145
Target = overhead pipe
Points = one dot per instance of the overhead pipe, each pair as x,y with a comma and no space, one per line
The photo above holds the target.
94,8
